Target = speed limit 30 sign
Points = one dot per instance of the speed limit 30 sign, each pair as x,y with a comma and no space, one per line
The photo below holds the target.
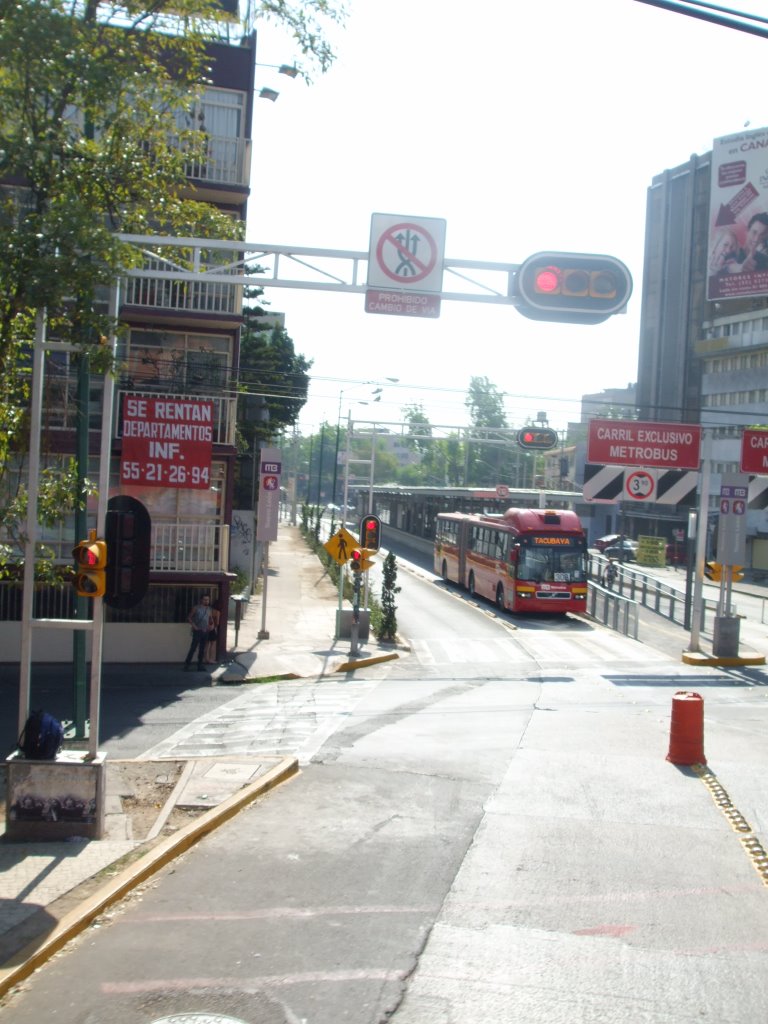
640,485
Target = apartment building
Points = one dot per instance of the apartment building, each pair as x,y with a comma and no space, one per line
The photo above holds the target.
179,350
703,352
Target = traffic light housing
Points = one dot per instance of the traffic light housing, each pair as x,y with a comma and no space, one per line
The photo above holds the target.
370,532
359,560
737,573
713,571
537,438
90,566
128,532
572,288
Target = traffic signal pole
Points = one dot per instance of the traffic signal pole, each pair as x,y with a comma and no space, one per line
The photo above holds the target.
105,451
28,620
79,688
694,645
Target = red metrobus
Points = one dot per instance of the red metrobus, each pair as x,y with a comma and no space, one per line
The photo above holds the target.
525,560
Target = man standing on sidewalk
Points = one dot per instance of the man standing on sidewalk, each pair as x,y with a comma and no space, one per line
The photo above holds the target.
201,621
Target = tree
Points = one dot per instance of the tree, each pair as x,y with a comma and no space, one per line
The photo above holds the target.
419,428
93,141
273,381
389,590
271,369
486,408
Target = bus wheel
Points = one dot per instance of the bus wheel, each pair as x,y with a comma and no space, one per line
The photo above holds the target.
500,597
471,584
444,570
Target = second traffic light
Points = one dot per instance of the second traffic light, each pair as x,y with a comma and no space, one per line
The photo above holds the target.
90,566
359,560
570,287
537,438
370,532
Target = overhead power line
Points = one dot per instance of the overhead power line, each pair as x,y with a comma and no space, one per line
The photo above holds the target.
726,17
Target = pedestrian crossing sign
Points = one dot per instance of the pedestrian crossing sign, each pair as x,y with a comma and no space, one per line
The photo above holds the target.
340,545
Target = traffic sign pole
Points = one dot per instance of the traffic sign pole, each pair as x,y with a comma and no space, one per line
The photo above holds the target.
694,644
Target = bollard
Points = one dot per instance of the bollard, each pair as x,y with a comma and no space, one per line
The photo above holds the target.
686,733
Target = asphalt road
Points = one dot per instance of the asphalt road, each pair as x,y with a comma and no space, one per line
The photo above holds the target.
486,829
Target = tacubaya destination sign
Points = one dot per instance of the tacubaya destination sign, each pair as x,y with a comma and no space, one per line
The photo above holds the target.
632,443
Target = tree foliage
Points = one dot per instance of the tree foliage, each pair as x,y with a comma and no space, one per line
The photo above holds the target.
272,373
95,139
485,403
273,383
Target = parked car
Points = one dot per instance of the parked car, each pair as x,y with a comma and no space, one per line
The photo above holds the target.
624,552
610,538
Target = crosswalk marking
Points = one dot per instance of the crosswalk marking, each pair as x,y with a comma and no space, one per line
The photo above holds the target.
543,648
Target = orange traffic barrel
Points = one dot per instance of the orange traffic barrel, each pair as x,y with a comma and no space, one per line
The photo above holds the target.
686,732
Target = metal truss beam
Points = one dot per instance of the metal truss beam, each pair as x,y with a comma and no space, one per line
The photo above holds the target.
283,266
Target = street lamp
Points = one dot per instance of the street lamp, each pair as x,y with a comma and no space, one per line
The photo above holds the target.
378,391
282,69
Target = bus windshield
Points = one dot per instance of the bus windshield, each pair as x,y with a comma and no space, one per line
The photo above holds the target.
544,559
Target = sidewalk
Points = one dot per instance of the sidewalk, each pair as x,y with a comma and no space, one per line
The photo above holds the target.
37,916
299,616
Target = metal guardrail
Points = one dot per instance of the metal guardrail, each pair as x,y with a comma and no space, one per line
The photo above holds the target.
613,609
635,586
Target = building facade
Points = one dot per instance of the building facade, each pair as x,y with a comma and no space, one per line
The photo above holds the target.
179,348
704,359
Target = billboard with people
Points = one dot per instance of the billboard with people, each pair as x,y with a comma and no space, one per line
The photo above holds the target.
738,217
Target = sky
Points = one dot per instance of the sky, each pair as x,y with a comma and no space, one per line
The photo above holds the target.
526,127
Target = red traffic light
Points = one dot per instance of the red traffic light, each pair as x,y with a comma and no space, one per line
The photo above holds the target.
356,559
537,438
370,532
547,280
572,287
90,565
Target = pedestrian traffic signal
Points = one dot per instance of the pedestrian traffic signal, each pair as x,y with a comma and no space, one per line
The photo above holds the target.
537,438
359,560
90,566
128,532
370,532
713,571
574,288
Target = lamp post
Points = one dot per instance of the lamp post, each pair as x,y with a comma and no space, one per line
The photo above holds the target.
377,392
282,69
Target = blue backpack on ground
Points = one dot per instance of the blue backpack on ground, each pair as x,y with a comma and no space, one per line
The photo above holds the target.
41,737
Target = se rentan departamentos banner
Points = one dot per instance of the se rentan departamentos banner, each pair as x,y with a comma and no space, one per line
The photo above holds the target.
167,442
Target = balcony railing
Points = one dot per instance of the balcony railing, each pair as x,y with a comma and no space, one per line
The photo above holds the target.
189,547
182,296
176,547
225,162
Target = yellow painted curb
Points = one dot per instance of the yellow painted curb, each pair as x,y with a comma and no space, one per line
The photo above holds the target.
694,658
347,666
35,953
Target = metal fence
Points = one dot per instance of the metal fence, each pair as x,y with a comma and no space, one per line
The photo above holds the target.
162,603
636,587
613,610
